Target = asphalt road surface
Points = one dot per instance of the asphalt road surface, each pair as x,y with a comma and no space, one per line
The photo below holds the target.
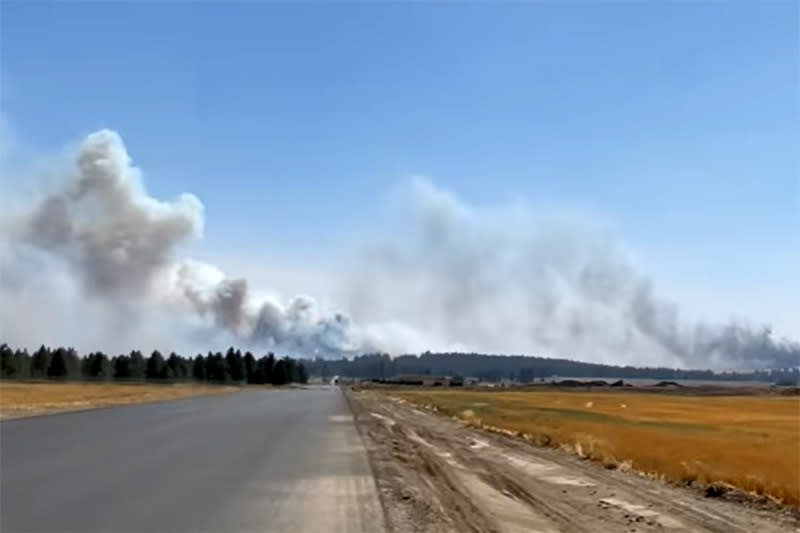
260,461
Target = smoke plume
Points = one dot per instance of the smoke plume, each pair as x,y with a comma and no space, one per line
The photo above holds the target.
511,280
96,261
99,237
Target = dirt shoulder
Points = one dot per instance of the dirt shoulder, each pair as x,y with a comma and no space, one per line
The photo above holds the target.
435,474
749,442
23,399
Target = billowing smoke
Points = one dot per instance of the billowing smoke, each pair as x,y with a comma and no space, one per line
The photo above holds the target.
511,280
120,246
113,235
300,326
96,261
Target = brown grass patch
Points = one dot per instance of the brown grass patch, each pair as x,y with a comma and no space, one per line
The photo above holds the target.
18,399
750,442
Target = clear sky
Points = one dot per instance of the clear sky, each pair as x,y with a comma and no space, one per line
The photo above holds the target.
678,121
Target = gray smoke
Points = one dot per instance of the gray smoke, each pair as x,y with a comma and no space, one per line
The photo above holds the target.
300,326
509,280
105,226
96,259
101,227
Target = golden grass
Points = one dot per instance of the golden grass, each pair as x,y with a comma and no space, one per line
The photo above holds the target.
26,399
751,442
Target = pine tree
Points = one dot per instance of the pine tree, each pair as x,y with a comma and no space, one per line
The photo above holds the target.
269,366
8,362
177,366
58,364
137,365
249,367
156,367
216,369
40,362
100,366
122,367
235,364
280,374
199,368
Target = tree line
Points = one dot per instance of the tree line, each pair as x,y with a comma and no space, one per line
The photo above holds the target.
520,368
231,367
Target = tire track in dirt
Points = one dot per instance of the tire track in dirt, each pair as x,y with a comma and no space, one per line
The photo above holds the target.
553,514
436,474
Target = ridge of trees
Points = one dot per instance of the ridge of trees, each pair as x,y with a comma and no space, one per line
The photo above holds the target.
520,368
235,367
232,367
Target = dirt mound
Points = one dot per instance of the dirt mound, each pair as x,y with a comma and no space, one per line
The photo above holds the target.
576,383
673,384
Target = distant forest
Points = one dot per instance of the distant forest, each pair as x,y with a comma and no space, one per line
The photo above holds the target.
519,368
232,367
235,367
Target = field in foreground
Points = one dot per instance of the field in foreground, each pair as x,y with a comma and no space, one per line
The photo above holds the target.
750,442
27,398
437,475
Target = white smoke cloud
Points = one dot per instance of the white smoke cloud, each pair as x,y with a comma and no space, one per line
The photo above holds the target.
95,262
510,280
103,223
98,240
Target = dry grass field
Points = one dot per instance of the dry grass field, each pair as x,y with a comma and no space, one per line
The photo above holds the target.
751,442
28,398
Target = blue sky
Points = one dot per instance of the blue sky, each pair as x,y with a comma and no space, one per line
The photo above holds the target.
677,121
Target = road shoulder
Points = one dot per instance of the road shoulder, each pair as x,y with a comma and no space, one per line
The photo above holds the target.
436,475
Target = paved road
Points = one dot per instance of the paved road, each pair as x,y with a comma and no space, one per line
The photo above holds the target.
261,461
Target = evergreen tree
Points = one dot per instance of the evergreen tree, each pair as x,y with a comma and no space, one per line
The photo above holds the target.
58,364
137,365
23,361
100,366
177,366
269,366
216,369
85,365
249,367
199,368
280,373
258,373
73,363
156,366
122,367
40,362
9,367
235,364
